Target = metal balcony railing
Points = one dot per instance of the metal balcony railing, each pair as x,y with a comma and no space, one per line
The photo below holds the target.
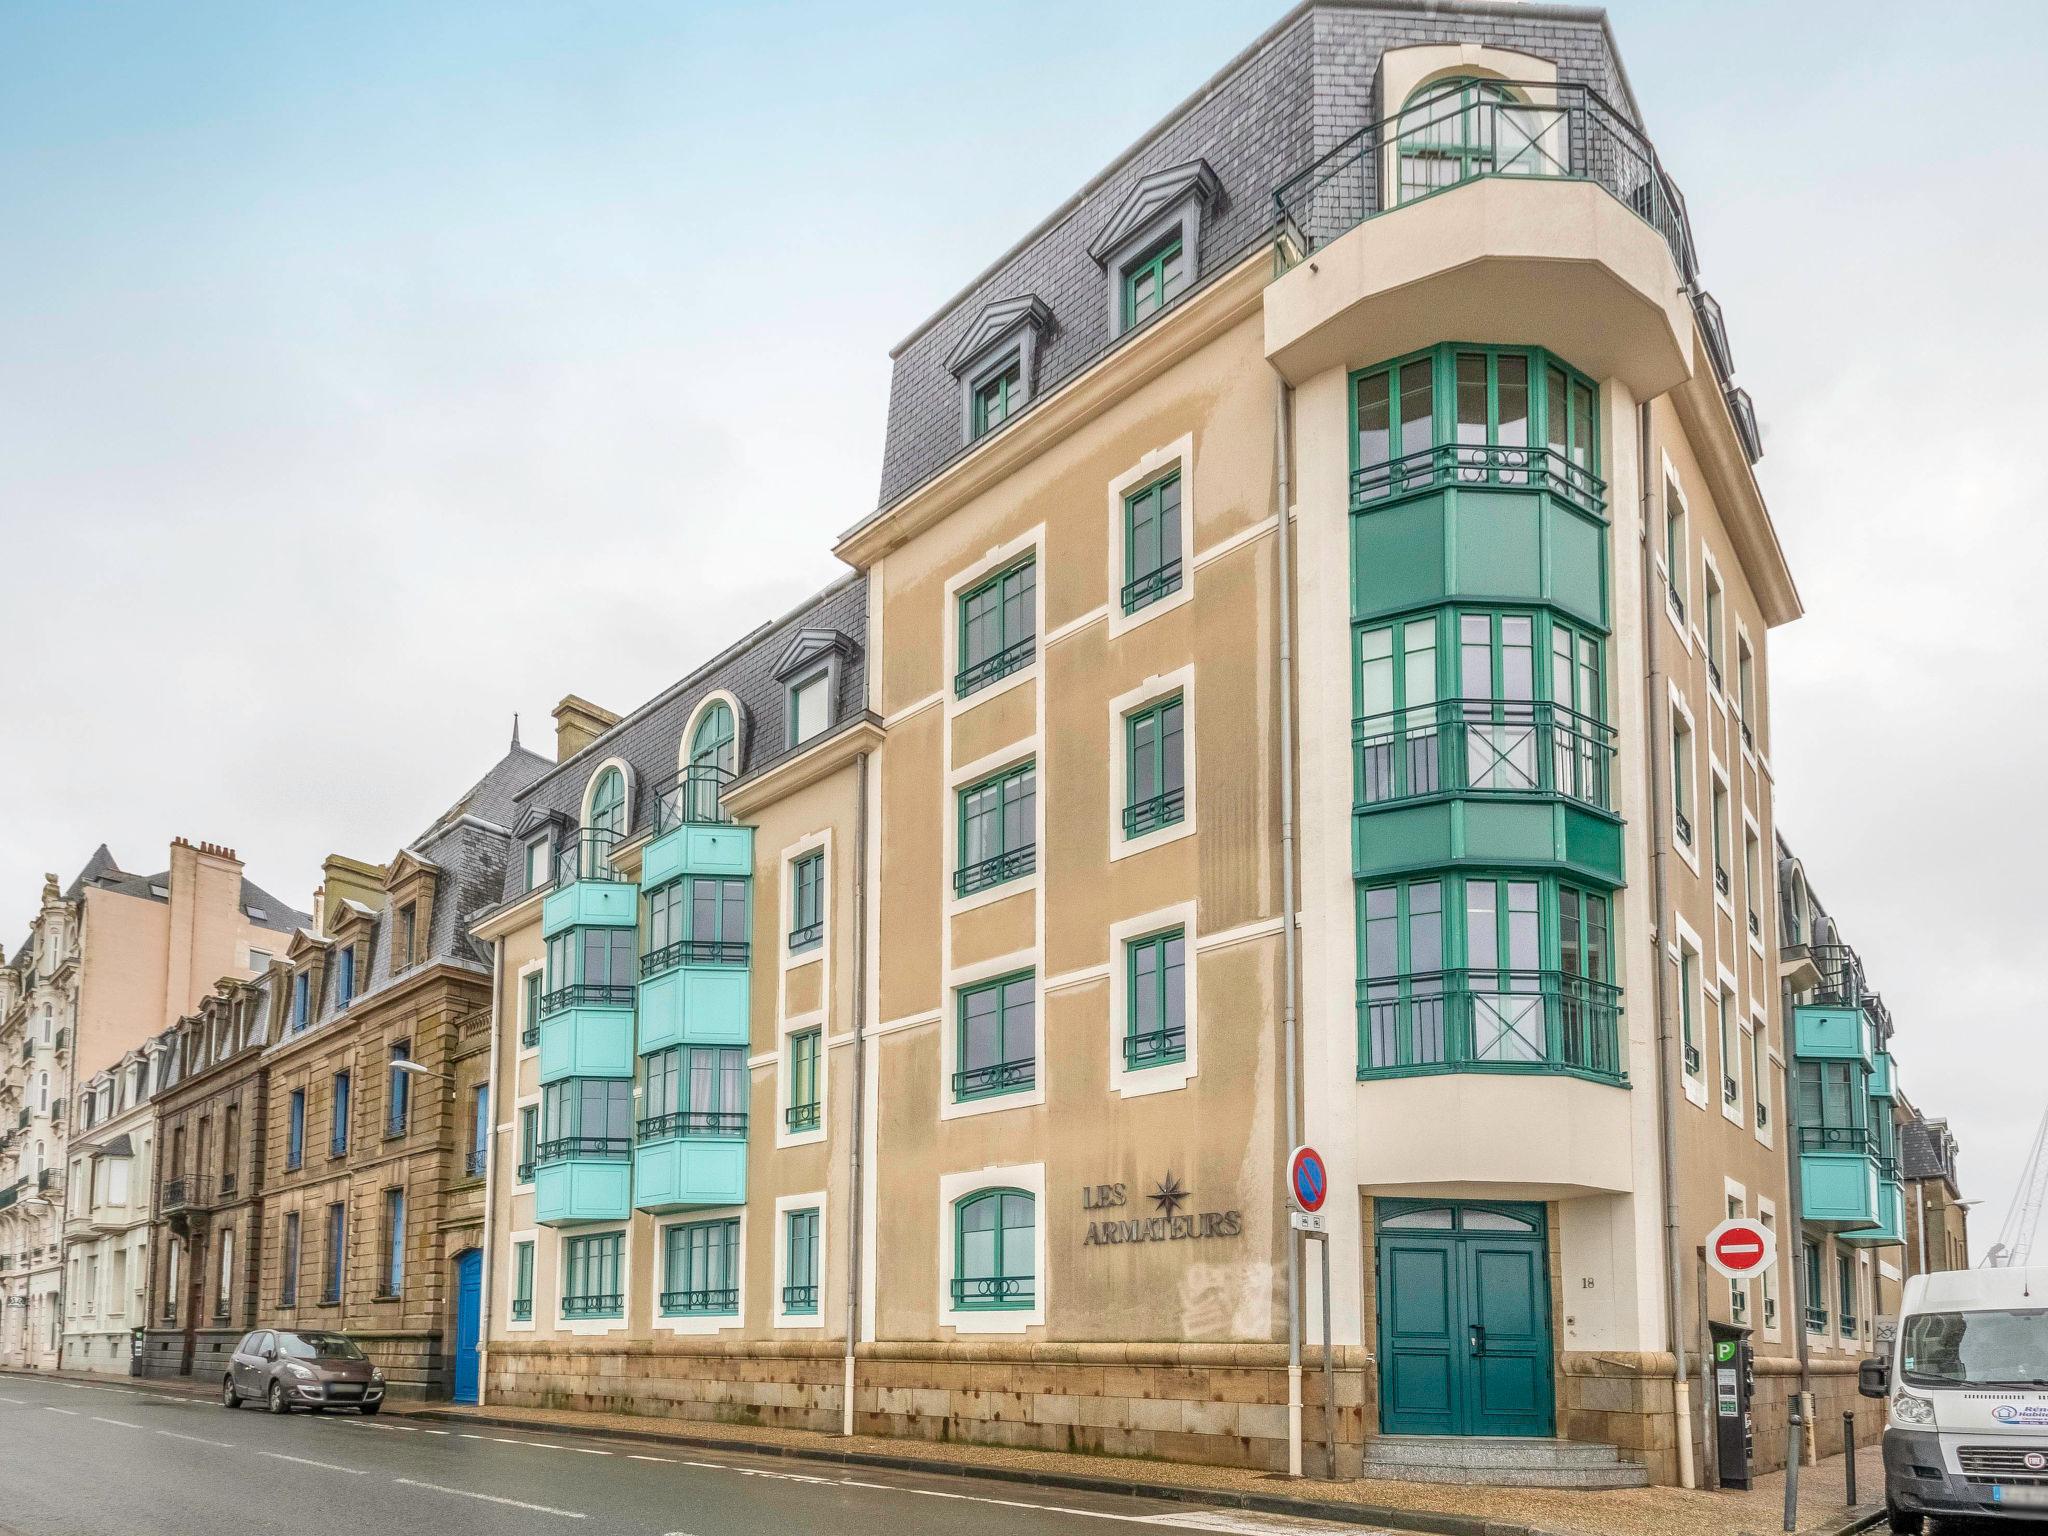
1154,812
800,1298
994,870
586,855
694,952
1483,747
1841,975
473,1162
564,1148
587,994
997,1077
1155,1047
994,1290
1835,1138
1517,466
1559,132
724,1124
711,1299
598,1304
1485,1020
187,1191
1148,588
989,668
1684,823
801,1117
690,796
806,936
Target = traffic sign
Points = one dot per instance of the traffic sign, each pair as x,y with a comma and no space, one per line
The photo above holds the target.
1308,1181
1740,1248
1308,1221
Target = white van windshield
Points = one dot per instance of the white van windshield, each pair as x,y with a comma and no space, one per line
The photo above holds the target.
1976,1349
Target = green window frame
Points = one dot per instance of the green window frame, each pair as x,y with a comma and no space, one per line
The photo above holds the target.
1466,415
593,1276
997,1037
585,1117
800,1263
999,397
694,1091
998,829
1152,542
1155,996
1816,1298
1155,766
1154,280
1688,993
696,920
995,1251
1845,1293
807,902
608,803
1834,1112
700,1269
590,968
530,988
1677,551
1449,131
529,1139
998,626
804,1108
522,1281
1681,776
1726,1031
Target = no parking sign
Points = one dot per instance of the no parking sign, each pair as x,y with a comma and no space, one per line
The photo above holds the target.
1308,1181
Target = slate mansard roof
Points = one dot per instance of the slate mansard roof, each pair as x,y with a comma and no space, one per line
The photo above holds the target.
1297,92
258,905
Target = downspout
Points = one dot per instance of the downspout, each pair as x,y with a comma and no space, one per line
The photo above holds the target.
1289,1019
1796,1190
483,1296
853,1166
1669,1064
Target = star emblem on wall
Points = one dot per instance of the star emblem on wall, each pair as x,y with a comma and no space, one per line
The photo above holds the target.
1169,1194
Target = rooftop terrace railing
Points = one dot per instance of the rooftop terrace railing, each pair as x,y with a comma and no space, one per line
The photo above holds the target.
690,795
1544,130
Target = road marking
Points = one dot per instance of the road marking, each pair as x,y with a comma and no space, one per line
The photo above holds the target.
307,1461
123,1423
69,1413
223,1444
665,1461
19,1402
490,1498
1235,1524
436,1431
584,1450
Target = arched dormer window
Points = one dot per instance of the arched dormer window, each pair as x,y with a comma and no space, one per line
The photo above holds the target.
1454,129
607,813
713,753
608,803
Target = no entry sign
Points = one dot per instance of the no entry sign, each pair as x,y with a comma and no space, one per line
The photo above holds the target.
1308,1182
1740,1248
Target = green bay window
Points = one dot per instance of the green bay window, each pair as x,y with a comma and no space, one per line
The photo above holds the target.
803,1111
998,830
807,902
1155,776
995,1251
700,1269
697,920
1154,280
800,1263
1833,1107
998,397
694,1090
998,626
589,967
585,1117
593,1279
1152,543
1155,990
997,1037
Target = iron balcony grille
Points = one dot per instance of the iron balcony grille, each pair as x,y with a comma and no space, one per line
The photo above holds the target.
1841,976
1834,1138
800,1298
563,1148
1692,1060
1448,139
586,855
1770,1311
806,936
1465,464
1763,1115
1848,1324
726,1299
994,1291
188,1191
1483,747
1142,591
1739,1303
1721,883
989,668
1714,674
1000,1077
525,1173
473,1163
1816,1319
1756,926
694,952
1677,600
522,1309
690,797
600,1304
694,1122
801,1117
1487,1020
1728,1089
1748,738
1684,823
983,873
227,1183
587,994
1156,1047
529,1037
1159,811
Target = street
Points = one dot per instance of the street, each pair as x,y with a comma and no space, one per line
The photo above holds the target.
181,1466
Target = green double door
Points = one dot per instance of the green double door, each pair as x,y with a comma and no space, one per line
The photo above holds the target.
1464,1319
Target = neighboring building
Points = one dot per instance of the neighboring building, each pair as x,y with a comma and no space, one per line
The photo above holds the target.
207,1214
378,1108
111,960
106,1214
1937,1218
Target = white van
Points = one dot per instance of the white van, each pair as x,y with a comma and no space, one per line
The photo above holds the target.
1966,1428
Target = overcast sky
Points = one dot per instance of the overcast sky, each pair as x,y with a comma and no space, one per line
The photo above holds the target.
371,372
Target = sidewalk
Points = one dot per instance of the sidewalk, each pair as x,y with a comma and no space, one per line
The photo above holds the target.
1448,1511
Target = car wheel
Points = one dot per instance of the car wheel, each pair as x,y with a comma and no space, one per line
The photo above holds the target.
229,1398
369,1410
278,1402
1905,1522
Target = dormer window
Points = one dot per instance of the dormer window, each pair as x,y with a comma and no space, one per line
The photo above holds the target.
810,707
1151,248
1154,279
809,671
995,362
345,976
536,863
408,934
998,396
302,1000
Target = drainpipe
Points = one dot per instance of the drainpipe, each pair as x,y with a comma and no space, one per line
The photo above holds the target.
1793,1187
483,1296
1289,1018
1670,1065
853,1166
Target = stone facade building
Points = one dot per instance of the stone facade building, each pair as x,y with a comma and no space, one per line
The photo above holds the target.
106,1215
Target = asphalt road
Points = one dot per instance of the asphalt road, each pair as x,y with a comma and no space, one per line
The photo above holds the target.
79,1460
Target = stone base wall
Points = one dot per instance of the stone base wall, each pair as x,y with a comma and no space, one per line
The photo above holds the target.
103,1352
414,1366
1216,1404
163,1348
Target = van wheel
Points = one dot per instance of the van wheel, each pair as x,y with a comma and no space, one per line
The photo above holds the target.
1905,1522
228,1396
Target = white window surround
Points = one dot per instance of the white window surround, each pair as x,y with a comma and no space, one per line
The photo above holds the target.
529,1101
949,1035
1688,942
1772,1280
1739,1196
1759,1031
512,1242
1710,574
1167,1076
1015,755
955,1187
1673,490
1688,851
1159,462
701,1326
808,706
784,1061
812,842
590,790
1717,778
591,1325
1728,1000
1031,542
519,1006
1182,681
697,713
784,1204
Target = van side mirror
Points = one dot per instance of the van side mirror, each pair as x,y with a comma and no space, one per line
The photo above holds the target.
1874,1377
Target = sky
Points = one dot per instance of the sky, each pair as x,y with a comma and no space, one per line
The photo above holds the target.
371,373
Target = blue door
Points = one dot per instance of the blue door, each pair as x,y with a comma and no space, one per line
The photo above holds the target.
469,1296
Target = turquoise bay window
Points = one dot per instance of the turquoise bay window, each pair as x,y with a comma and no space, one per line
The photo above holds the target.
589,967
994,1251
700,1269
998,830
1152,543
585,1117
1155,767
998,626
1155,990
800,1263
697,920
696,1090
998,1037
1154,280
593,1277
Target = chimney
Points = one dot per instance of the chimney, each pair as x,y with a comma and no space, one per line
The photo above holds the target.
345,879
578,723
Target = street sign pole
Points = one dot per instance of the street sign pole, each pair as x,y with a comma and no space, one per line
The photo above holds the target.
1329,1366
1308,1185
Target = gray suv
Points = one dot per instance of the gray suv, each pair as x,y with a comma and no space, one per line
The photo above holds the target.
284,1370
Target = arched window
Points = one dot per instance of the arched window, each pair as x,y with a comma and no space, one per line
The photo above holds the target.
1453,130
716,743
608,803
994,1252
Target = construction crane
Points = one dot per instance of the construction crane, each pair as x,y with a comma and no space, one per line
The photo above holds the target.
2015,1243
